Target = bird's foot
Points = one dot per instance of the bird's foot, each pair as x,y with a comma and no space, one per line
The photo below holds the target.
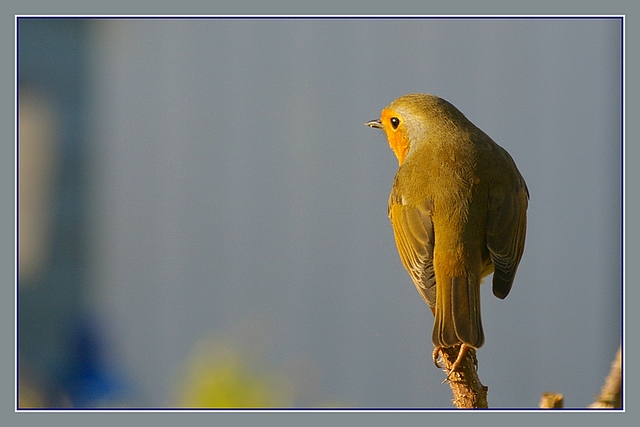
436,355
464,348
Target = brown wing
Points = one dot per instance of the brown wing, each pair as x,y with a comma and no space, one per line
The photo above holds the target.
413,231
506,229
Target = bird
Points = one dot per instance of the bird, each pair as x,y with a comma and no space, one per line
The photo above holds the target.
458,209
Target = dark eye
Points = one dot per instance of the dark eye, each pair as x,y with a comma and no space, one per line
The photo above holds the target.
395,122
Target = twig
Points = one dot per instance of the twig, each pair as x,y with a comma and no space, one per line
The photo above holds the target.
468,391
611,393
551,400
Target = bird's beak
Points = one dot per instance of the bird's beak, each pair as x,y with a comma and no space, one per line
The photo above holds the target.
375,124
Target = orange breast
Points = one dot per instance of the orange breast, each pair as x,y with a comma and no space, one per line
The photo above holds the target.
398,138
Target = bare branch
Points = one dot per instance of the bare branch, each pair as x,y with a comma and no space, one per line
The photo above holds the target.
468,391
611,393
551,400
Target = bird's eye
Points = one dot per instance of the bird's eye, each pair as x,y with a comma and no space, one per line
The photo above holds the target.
395,122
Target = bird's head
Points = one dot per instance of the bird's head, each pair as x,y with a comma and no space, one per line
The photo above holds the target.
413,120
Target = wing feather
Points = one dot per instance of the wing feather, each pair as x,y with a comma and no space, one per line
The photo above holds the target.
506,229
413,232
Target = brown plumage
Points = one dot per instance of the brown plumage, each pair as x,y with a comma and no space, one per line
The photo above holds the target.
458,211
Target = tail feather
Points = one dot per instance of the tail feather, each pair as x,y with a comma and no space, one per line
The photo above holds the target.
444,334
457,317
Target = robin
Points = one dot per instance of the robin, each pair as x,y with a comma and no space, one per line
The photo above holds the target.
458,211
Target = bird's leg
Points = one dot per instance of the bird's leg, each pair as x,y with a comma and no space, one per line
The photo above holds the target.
454,367
464,348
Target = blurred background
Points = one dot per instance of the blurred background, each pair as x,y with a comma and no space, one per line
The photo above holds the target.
203,214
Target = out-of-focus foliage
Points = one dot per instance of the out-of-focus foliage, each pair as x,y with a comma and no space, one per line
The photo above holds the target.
30,397
220,376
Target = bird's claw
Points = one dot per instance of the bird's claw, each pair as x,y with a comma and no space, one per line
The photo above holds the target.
457,363
436,355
